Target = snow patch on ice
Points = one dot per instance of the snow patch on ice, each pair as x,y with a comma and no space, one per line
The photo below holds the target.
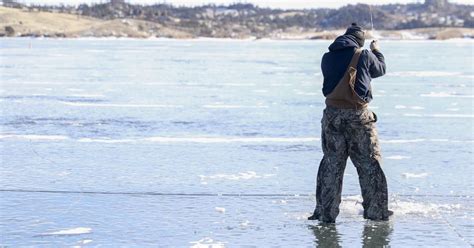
446,94
220,210
245,223
232,139
88,95
75,89
402,141
420,208
398,157
210,140
72,231
110,141
85,241
305,93
440,115
352,205
414,175
121,105
240,176
33,137
423,74
207,242
452,109
218,106
410,107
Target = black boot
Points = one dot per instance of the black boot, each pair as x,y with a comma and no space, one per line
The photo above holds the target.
385,217
316,215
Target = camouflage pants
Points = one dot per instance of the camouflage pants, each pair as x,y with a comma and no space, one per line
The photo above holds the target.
350,133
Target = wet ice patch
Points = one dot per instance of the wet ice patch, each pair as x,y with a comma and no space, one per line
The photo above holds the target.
414,175
239,176
72,231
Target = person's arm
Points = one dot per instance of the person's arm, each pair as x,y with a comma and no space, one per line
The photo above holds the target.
377,61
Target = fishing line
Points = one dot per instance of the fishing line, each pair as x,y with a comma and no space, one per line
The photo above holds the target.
371,18
201,194
53,162
454,229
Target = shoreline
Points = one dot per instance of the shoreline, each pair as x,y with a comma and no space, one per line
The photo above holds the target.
18,23
204,39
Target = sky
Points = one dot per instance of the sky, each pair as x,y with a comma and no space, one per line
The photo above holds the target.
284,4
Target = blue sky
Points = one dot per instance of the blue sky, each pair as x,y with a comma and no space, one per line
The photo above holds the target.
298,4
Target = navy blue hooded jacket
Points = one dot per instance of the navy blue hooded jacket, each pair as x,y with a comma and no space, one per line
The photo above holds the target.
335,62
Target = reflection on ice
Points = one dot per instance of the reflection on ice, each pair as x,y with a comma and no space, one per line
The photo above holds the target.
326,235
375,234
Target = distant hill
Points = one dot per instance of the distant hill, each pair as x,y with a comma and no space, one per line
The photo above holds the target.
247,20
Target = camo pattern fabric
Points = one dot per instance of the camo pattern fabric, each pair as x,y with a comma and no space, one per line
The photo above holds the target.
350,133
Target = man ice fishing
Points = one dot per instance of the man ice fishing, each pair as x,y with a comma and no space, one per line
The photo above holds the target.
348,127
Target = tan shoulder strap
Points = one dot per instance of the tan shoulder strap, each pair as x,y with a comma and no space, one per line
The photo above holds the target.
355,58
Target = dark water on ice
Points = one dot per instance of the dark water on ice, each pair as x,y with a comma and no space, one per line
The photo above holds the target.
215,119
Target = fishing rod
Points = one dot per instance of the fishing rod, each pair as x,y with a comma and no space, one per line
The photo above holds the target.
371,18
372,33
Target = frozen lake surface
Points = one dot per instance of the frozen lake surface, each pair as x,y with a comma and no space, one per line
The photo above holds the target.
210,142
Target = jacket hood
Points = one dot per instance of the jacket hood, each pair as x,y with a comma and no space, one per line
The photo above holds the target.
343,42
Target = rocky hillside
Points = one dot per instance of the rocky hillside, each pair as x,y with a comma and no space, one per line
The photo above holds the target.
120,19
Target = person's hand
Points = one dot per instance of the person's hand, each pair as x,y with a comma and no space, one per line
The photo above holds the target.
374,45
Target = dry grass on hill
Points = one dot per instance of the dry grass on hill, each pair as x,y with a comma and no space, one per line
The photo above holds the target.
17,22
67,25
